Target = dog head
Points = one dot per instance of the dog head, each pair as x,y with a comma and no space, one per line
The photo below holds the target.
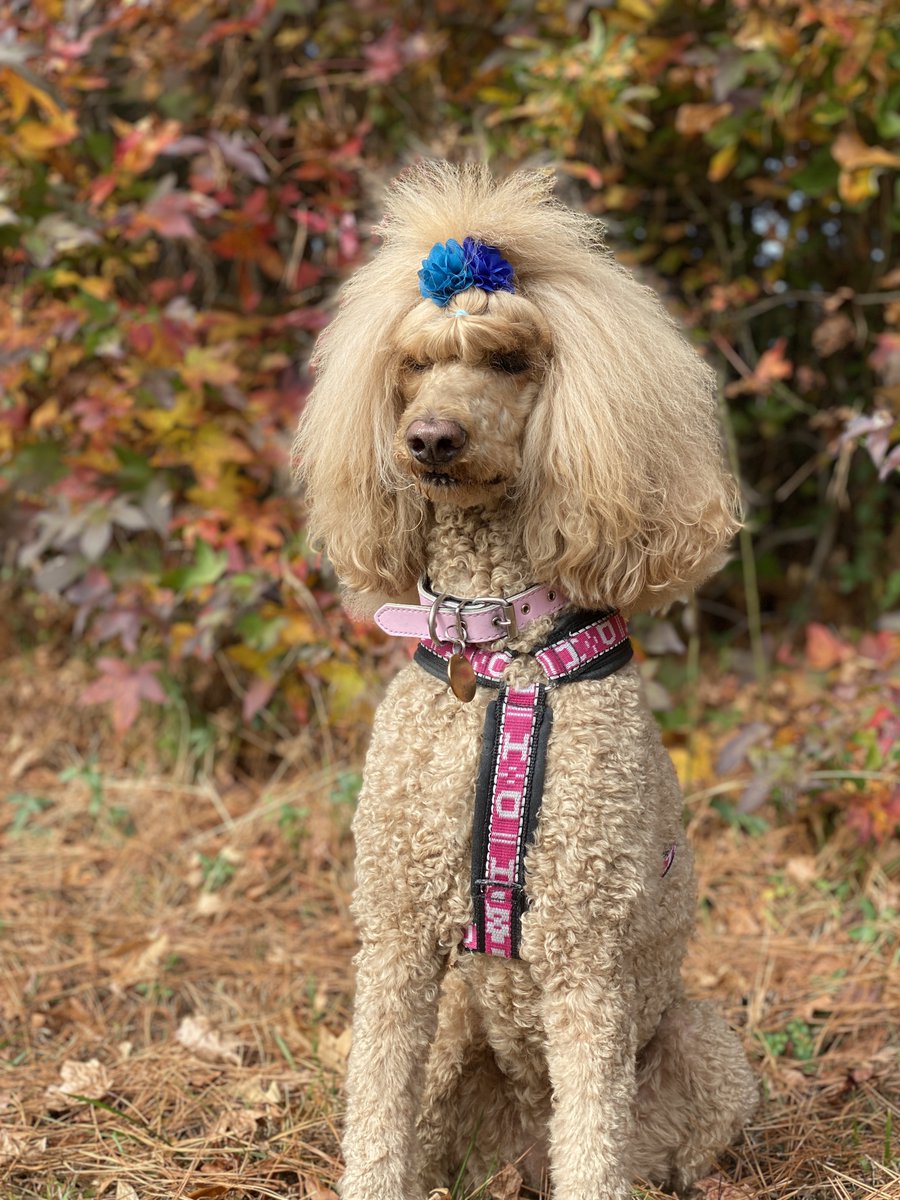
573,398
467,384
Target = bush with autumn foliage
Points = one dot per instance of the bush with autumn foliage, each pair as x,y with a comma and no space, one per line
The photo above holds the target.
183,184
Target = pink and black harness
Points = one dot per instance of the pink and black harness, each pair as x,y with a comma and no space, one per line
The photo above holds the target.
582,646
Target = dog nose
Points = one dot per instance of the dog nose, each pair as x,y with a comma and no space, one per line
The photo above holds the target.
435,441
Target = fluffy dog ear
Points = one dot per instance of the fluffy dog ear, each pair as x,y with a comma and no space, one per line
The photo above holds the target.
626,501
368,520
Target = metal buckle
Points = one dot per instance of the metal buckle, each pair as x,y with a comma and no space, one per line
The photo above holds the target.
458,633
508,622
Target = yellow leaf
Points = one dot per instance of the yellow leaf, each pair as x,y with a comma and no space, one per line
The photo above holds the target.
96,286
214,449
855,187
179,633
226,493
346,687
171,423
22,91
297,630
46,414
694,763
63,277
255,661
209,364
287,39
721,163
643,9
37,137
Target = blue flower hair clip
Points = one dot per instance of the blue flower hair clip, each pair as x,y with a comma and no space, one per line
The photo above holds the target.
451,268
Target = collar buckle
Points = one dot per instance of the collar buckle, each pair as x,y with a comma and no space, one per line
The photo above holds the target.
508,622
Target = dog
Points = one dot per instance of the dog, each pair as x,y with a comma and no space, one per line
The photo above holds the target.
509,448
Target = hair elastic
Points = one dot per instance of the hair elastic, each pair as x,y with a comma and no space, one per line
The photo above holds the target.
461,312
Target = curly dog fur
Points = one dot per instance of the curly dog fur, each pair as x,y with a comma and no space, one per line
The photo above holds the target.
592,462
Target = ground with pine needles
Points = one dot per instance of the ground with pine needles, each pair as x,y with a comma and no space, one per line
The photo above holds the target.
176,978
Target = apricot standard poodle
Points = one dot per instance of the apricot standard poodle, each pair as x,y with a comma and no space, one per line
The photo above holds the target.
509,449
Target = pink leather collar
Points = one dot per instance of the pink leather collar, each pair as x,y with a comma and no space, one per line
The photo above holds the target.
444,618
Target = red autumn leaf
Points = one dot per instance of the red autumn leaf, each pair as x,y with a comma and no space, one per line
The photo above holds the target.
257,696
825,649
123,687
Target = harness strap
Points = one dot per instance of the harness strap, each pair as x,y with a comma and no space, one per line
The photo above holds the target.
507,800
587,645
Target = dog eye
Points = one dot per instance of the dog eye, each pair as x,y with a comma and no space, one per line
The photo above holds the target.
413,364
513,362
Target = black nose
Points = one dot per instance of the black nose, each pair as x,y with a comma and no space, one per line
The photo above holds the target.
435,441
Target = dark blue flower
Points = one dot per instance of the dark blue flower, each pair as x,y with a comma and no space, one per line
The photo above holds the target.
491,271
445,272
450,268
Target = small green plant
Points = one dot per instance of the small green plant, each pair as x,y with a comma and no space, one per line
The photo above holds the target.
216,870
292,823
795,1041
88,774
27,807
732,815
877,924
346,788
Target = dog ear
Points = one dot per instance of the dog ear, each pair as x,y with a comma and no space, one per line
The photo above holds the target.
625,498
368,520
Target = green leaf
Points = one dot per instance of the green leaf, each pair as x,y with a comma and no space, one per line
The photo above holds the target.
207,567
136,471
819,176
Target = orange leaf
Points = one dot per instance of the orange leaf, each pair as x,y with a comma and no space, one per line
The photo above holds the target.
824,649
699,118
851,152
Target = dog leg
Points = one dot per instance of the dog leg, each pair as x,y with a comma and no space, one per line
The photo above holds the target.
480,1110
395,1017
454,1082
695,1093
587,1009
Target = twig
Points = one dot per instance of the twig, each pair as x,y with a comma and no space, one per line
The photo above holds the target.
748,561
801,297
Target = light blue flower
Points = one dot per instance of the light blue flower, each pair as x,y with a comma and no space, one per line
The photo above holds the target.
451,268
445,272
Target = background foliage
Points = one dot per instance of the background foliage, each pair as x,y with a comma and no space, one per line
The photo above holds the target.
184,182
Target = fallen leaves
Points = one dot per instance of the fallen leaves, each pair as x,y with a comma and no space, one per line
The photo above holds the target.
198,1036
505,1184
719,1187
333,1050
124,686
90,1080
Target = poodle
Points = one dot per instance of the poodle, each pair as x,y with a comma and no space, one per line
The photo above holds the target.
510,448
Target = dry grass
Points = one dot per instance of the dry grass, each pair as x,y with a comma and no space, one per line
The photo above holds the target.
132,903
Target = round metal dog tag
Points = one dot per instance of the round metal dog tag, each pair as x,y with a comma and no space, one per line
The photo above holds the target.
462,678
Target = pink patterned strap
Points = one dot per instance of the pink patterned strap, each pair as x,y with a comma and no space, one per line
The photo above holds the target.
484,619
587,650
583,647
507,800
488,665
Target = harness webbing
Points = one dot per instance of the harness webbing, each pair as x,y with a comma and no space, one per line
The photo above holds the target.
511,774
